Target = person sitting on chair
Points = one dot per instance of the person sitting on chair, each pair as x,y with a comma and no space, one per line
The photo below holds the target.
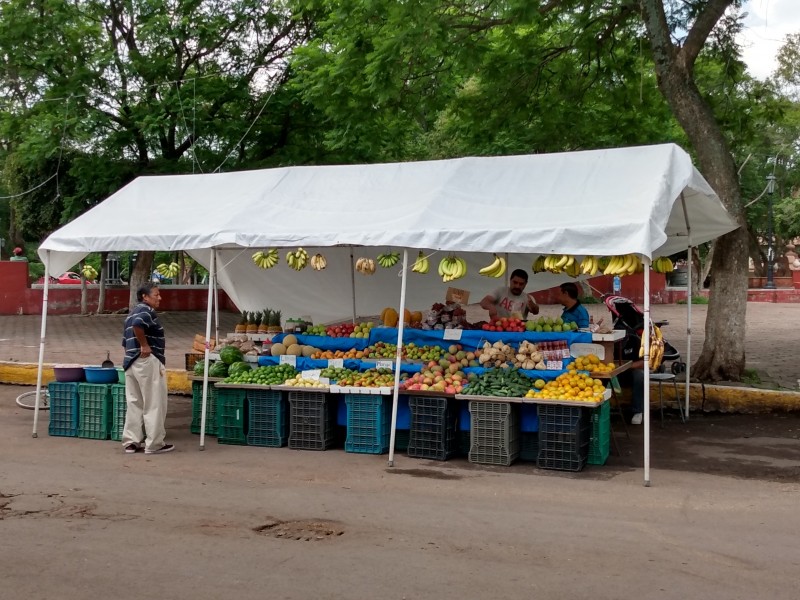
18,255
574,311
628,349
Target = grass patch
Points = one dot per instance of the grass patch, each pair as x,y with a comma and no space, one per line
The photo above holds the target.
751,377
695,300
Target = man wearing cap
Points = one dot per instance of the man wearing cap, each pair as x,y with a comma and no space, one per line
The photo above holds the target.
18,256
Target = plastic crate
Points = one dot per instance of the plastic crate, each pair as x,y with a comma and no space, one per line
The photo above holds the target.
600,444
231,417
529,418
464,442
494,433
368,423
119,408
564,433
401,437
95,410
192,358
529,446
268,423
311,420
197,408
64,409
433,427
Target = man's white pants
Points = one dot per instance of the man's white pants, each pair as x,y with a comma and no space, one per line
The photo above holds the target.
146,397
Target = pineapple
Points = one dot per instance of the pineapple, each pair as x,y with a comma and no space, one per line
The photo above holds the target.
264,325
275,322
241,326
252,324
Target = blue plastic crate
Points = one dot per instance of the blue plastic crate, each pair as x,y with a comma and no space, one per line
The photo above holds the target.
64,409
464,420
529,418
368,423
268,423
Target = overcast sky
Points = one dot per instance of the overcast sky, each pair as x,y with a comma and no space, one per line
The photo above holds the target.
767,24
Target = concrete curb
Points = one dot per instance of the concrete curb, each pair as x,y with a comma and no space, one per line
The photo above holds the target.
702,397
25,374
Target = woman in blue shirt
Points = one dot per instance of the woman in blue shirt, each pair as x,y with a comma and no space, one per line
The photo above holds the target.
574,311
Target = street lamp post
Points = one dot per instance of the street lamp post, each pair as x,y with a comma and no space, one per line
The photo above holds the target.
770,250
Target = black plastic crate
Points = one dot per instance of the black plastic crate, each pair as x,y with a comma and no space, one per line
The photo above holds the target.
197,408
494,433
119,408
464,442
564,434
95,411
231,417
64,409
268,423
401,438
368,423
312,416
433,427
529,446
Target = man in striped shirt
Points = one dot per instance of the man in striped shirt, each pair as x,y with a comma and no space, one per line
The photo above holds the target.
145,376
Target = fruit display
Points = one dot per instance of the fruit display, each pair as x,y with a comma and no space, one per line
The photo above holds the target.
381,350
452,268
271,375
369,378
320,330
568,386
496,269
318,262
656,347
353,330
590,265
389,317
170,270
550,324
427,353
529,357
239,342
508,383
504,324
297,259
663,265
289,346
218,369
591,363
345,354
624,265
436,378
301,382
365,266
230,355
266,260
337,373
388,260
555,263
444,316
422,265
495,355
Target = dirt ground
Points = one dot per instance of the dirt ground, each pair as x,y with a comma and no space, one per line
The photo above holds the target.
80,518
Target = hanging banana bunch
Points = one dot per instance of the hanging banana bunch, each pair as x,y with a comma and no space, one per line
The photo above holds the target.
496,269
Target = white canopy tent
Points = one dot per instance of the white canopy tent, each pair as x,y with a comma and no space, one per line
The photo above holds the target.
602,202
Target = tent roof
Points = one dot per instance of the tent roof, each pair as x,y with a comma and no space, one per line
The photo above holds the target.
603,202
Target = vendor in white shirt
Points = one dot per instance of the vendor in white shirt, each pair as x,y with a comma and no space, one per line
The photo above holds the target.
511,301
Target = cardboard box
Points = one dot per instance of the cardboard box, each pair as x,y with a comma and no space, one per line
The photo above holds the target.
457,295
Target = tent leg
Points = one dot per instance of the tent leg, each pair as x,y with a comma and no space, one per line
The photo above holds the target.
398,356
216,310
212,283
353,283
646,369
41,345
688,326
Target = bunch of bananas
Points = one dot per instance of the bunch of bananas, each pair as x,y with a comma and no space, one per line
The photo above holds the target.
624,265
555,263
422,264
590,265
365,266
318,262
656,347
388,260
266,260
452,268
170,270
497,269
90,273
297,259
538,264
663,265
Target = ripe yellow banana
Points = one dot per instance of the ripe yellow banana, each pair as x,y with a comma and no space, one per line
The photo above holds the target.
489,269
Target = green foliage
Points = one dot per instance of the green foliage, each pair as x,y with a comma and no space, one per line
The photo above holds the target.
751,377
695,300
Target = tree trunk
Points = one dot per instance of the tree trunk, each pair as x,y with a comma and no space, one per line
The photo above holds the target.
723,354
141,274
697,271
101,295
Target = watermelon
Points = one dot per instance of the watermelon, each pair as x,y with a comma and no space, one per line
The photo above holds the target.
238,368
199,367
218,369
230,355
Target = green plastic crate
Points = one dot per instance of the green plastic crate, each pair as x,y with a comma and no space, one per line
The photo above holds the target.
64,409
119,407
231,417
95,410
197,408
600,444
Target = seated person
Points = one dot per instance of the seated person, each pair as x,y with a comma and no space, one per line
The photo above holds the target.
18,256
510,301
574,311
628,349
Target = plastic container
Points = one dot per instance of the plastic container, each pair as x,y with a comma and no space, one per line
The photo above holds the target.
69,373
101,374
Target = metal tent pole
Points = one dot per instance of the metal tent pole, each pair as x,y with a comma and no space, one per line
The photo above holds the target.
646,368
41,343
398,355
212,277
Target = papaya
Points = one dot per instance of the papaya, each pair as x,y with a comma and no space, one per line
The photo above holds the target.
389,317
416,317
406,316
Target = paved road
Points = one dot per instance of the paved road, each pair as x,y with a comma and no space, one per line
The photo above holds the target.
772,337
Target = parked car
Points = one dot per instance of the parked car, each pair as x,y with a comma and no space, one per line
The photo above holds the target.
69,278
